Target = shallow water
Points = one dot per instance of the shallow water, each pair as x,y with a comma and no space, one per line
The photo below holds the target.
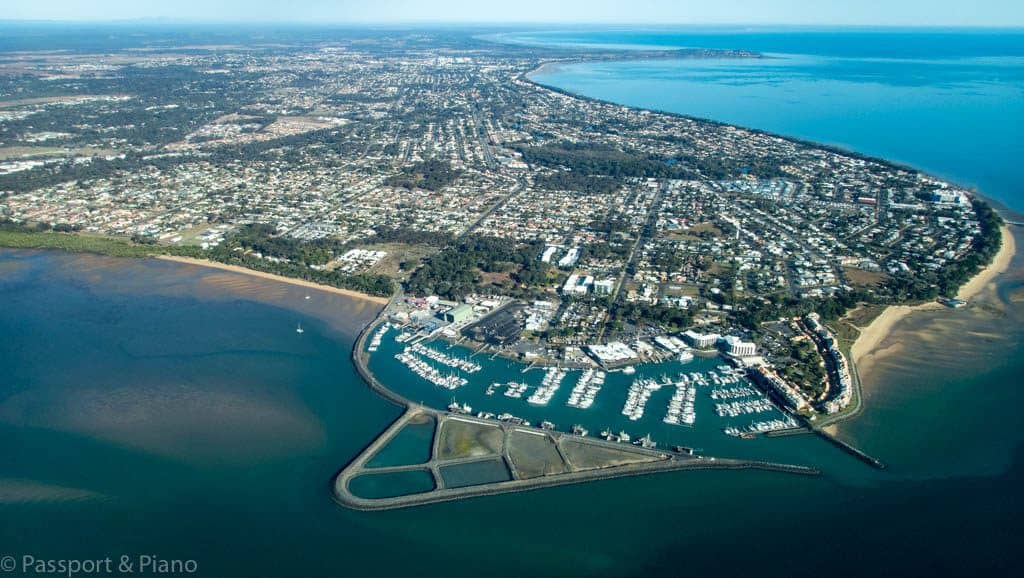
190,415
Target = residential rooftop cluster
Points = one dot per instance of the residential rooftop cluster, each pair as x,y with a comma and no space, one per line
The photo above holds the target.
617,224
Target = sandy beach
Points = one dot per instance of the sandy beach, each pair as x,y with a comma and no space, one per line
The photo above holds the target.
999,265
870,338
261,274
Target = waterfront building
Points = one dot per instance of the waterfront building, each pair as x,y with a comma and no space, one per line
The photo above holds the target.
737,347
774,384
613,353
548,253
458,313
701,340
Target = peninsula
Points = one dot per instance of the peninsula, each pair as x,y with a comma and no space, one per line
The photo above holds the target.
516,220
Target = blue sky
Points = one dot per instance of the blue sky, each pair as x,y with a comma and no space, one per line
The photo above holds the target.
820,12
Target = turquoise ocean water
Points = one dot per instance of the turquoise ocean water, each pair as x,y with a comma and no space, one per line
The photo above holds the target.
948,102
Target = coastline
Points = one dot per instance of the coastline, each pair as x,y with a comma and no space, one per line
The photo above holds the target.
552,65
272,277
867,346
999,265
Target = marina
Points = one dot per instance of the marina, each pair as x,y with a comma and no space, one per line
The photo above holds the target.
159,405
514,389
744,407
701,402
637,396
761,427
733,393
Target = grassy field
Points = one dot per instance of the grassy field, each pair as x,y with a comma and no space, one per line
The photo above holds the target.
863,316
847,329
76,243
862,278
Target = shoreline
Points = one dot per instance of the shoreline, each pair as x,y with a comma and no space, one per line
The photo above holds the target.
999,265
870,338
526,77
272,277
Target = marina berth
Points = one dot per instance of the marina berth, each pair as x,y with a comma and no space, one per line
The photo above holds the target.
646,442
579,430
464,408
424,370
512,388
734,393
585,392
378,336
743,407
552,380
681,407
636,398
453,362
760,427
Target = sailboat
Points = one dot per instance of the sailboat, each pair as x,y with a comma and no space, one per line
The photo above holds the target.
299,329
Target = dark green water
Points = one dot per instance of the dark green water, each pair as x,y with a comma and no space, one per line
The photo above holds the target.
149,407
389,485
475,473
411,445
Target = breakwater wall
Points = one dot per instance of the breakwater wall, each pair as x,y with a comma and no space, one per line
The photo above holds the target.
343,496
850,449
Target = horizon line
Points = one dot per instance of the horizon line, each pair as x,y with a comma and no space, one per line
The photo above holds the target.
494,23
